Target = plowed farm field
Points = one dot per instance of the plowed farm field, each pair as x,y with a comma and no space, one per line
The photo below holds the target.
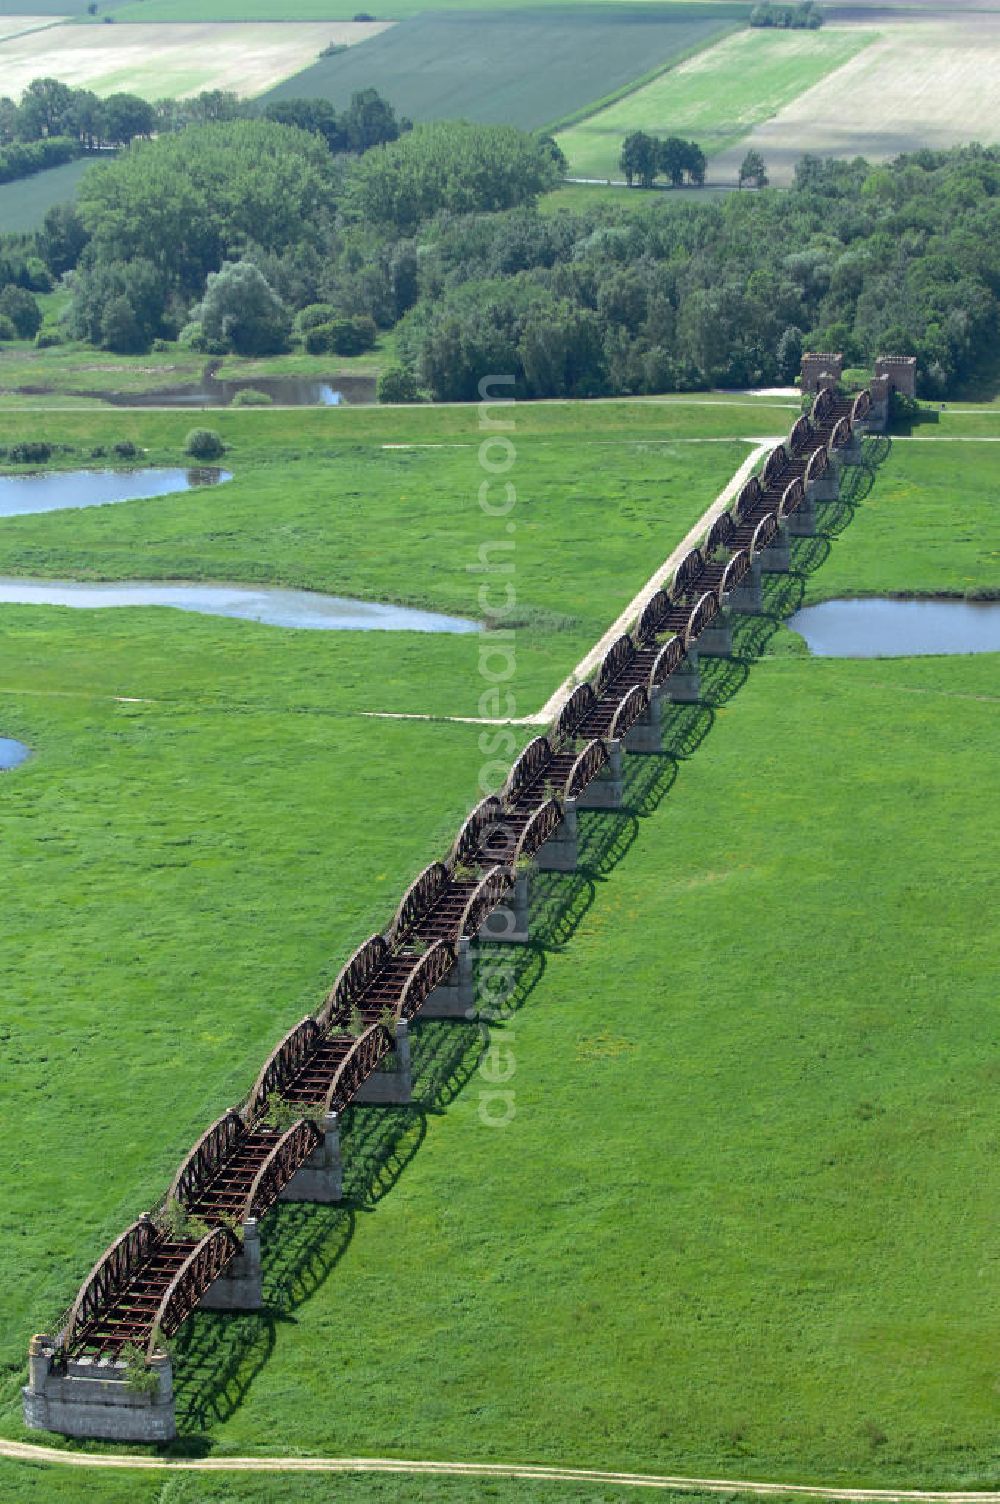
921,83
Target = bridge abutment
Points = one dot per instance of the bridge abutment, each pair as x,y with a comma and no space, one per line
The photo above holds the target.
91,1397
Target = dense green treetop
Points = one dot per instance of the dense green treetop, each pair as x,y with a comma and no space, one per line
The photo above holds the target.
450,166
190,200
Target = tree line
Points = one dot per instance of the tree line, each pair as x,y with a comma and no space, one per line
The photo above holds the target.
237,234
644,158
806,16
245,234
55,122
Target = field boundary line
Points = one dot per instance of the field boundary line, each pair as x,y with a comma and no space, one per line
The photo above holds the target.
19,1451
636,605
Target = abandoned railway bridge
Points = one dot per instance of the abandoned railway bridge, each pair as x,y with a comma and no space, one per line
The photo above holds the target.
200,1246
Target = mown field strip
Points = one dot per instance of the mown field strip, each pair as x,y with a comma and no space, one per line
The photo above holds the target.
716,97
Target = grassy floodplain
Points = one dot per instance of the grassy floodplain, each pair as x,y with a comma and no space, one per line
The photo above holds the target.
76,372
497,65
382,503
208,824
714,1235
716,97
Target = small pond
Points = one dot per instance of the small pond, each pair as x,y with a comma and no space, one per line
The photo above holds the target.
52,490
276,608
284,391
11,753
898,629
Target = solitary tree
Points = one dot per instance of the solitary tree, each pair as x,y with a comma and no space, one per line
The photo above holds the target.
753,170
241,311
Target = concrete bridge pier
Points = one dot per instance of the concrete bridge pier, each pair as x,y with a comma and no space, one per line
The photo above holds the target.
716,641
777,557
684,685
238,1287
827,487
877,420
748,597
392,1087
849,454
647,733
321,1178
802,522
605,792
559,854
90,1397
508,925
455,997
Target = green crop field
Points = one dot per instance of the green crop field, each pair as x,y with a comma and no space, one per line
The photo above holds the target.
751,1078
500,66
715,98
394,10
25,202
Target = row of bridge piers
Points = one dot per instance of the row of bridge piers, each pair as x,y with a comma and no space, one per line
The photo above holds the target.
91,1395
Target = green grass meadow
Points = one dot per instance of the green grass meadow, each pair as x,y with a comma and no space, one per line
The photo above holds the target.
184,768
323,500
716,98
497,65
76,374
740,1220
928,527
